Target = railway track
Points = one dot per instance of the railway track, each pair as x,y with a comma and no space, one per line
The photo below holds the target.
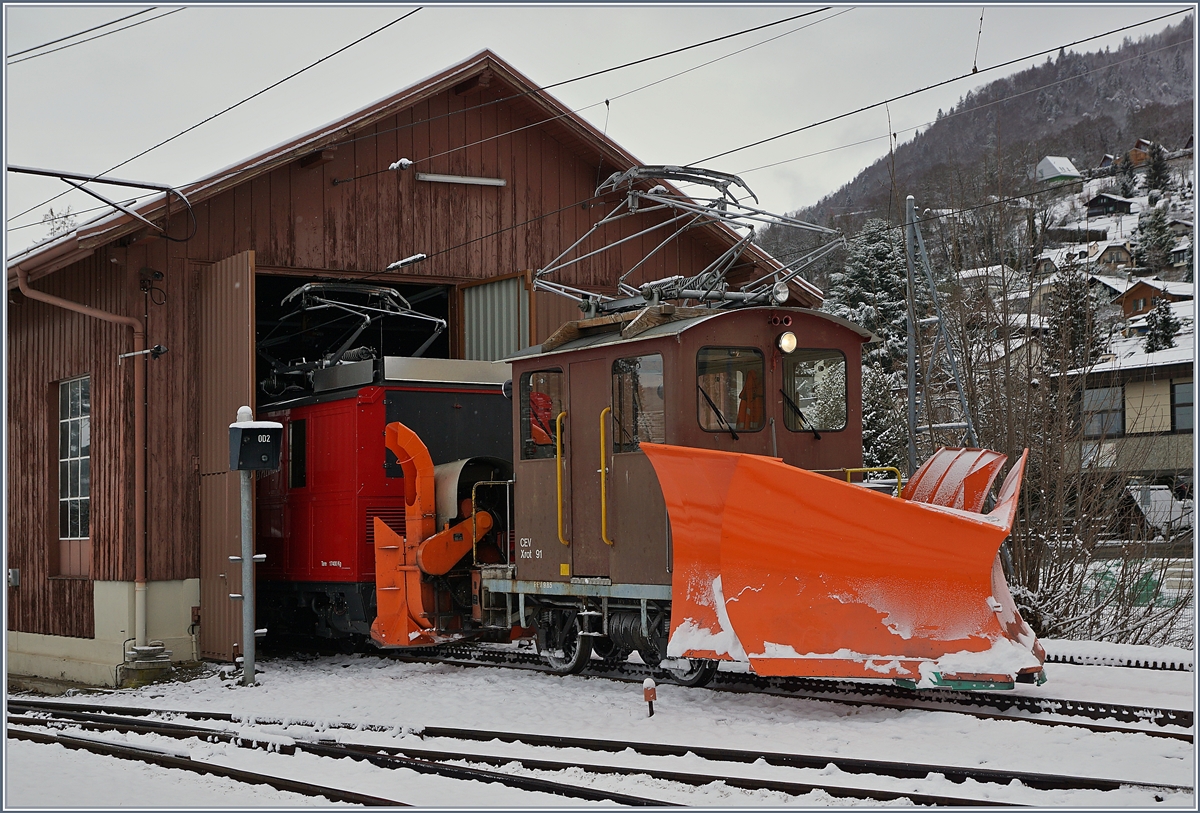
159,757
448,763
1168,723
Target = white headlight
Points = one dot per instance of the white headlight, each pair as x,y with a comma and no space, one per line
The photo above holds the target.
786,341
780,293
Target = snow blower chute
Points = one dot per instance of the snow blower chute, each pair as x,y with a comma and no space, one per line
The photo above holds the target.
800,574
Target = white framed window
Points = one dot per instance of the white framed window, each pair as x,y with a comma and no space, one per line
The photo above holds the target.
74,477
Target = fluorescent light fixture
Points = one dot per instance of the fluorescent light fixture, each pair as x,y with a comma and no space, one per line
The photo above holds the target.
407,261
428,176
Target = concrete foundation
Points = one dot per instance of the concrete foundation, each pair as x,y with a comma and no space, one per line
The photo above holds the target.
100,661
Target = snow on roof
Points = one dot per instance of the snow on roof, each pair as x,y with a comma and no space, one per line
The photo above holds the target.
987,271
1129,352
1159,506
1056,166
1182,289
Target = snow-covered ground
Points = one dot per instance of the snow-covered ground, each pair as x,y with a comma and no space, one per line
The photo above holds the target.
404,696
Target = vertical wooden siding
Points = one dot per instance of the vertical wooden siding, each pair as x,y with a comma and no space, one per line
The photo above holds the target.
46,345
226,374
297,217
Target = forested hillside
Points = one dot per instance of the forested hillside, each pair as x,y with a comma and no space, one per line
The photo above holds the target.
1081,106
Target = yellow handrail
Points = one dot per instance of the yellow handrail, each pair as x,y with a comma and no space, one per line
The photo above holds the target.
603,481
896,471
558,471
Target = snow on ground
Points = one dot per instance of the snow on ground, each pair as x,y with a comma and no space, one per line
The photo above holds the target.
405,696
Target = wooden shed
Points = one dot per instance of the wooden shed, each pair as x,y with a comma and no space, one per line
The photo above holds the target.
502,179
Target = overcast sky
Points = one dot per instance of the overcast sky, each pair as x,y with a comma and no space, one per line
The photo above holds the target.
91,106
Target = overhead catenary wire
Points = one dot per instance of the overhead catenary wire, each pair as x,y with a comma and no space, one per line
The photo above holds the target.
876,138
934,86
606,102
495,101
231,107
98,36
543,88
973,109
84,31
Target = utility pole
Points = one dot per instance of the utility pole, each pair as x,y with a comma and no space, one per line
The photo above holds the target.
914,247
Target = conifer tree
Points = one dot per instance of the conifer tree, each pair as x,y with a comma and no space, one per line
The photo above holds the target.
1154,241
1163,327
871,290
885,435
1158,174
1126,178
1071,307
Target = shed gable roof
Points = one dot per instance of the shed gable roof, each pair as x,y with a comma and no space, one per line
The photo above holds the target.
484,69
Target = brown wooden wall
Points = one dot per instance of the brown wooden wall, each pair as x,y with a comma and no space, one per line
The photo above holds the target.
297,221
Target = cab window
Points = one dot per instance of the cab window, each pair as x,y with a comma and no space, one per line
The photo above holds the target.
729,381
541,402
814,390
639,410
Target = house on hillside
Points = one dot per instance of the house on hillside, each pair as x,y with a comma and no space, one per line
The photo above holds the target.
1136,408
1143,294
1139,153
1101,257
1107,203
501,178
1106,163
1056,169
989,280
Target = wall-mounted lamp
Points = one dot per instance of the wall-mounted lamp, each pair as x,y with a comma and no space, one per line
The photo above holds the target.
464,179
407,261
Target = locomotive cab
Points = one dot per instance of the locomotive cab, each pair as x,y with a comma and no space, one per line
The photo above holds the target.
594,559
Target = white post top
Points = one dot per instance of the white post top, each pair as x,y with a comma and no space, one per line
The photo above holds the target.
648,683
245,414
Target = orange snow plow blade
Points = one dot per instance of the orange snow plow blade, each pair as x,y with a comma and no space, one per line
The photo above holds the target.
801,574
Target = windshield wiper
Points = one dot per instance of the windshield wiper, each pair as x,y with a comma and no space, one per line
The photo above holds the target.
716,411
796,409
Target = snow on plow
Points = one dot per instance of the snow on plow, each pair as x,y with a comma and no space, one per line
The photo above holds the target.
800,574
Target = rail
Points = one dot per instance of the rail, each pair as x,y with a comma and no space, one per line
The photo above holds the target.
558,471
604,481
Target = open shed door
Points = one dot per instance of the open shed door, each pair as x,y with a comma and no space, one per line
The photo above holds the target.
226,383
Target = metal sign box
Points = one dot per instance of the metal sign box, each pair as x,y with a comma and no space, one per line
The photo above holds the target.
254,445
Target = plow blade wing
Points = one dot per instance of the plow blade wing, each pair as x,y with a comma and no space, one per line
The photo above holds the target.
801,574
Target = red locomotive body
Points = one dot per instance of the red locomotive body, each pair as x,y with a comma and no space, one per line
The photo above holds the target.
316,513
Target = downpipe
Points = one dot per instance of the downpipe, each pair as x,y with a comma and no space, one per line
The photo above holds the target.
139,436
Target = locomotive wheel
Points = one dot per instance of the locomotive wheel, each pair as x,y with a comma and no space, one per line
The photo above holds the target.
576,651
698,673
609,652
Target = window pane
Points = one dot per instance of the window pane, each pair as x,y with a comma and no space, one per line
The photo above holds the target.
85,478
1103,398
73,522
85,436
298,456
64,440
64,519
85,396
541,403
73,436
64,478
75,399
730,381
73,489
85,519
638,407
64,400
814,382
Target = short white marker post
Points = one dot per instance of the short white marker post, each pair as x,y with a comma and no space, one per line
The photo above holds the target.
649,692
